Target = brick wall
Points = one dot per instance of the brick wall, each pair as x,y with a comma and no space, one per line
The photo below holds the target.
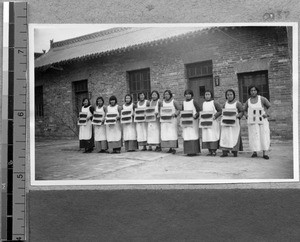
232,51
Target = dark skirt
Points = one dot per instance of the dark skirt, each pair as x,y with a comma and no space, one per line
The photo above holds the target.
101,145
86,144
131,145
142,143
115,144
191,147
210,145
169,144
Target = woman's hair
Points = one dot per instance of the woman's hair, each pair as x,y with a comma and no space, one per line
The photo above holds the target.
211,94
230,90
128,95
188,91
89,102
156,94
113,98
140,94
170,93
249,89
99,98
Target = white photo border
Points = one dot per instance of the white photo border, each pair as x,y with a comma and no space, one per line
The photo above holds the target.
33,182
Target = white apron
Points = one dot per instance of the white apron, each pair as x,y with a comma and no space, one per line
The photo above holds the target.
141,128
129,131
190,133
211,134
100,130
230,134
113,131
259,134
169,130
154,128
85,131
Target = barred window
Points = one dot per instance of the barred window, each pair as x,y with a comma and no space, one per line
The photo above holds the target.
199,69
139,81
258,79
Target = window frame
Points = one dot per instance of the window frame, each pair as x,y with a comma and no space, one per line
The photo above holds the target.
139,81
254,80
199,69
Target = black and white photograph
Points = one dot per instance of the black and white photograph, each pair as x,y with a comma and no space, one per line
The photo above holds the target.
163,103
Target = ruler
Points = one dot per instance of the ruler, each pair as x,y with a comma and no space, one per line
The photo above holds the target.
15,35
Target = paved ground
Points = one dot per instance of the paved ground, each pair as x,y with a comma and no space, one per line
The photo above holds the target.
61,160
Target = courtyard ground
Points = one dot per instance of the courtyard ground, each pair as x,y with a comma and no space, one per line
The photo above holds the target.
62,160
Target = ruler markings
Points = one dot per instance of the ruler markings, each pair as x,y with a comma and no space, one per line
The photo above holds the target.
13,182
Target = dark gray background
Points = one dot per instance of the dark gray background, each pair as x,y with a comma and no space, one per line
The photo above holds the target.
227,212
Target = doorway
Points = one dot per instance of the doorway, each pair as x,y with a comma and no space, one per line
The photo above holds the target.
199,86
200,79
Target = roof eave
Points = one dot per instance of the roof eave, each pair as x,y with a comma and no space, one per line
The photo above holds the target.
128,48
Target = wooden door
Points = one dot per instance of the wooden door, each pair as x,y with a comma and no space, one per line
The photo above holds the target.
199,86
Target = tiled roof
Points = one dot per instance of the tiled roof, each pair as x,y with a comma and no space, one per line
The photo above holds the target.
112,41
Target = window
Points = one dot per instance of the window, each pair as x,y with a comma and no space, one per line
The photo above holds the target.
80,89
199,69
139,81
258,79
39,102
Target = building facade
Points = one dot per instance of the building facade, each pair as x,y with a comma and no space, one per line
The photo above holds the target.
212,58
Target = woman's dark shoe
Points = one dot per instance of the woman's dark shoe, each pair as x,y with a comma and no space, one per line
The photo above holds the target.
254,155
209,154
173,151
144,149
157,149
150,149
266,157
224,153
234,153
88,150
170,150
213,154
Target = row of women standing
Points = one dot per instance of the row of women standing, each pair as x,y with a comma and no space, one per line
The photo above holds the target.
165,134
